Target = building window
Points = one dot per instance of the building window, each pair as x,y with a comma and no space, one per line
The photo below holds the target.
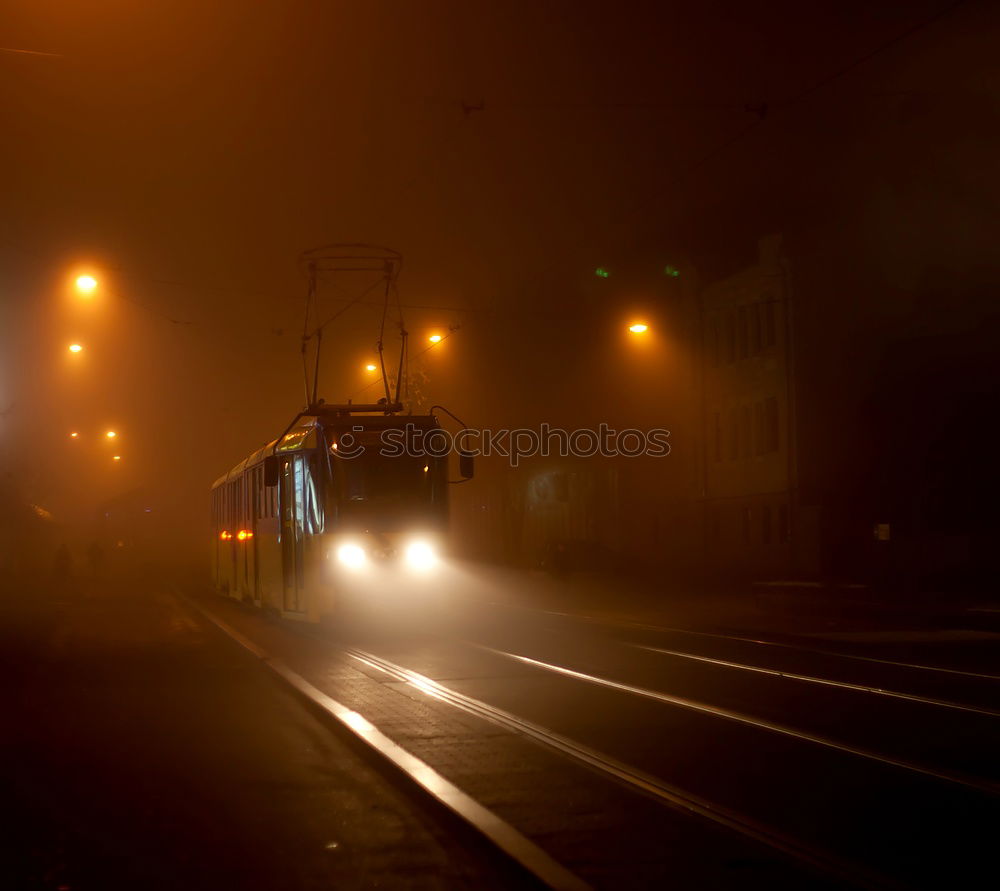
768,333
783,528
741,316
747,518
765,525
754,328
730,337
771,424
717,435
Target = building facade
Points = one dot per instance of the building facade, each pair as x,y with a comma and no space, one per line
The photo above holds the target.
751,523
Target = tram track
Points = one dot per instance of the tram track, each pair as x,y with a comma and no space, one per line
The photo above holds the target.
630,776
758,641
618,763
753,721
506,839
512,844
826,682
802,648
828,860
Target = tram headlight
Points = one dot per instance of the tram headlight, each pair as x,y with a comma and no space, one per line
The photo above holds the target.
352,556
420,555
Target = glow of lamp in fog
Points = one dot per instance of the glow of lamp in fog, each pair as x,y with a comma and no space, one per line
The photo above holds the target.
75,348
86,284
435,338
370,367
116,458
638,328
111,434
74,435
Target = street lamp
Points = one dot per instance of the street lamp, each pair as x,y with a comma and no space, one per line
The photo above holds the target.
370,367
111,434
74,435
116,458
638,328
75,348
435,338
86,284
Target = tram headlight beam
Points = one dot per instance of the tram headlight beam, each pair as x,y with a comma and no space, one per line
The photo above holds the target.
420,556
352,555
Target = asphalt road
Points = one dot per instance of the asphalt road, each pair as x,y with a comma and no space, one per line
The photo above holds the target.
814,762
141,749
144,747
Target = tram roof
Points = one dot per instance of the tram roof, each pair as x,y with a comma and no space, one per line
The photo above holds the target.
255,458
296,436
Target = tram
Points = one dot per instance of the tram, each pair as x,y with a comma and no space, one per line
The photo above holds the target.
348,496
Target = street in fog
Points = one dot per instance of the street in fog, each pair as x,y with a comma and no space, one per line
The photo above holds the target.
498,445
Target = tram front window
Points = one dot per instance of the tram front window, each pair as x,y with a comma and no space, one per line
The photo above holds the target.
389,489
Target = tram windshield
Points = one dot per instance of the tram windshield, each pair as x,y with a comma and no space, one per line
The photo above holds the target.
387,490
382,480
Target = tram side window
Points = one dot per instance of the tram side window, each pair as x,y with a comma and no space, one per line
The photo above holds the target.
263,494
262,498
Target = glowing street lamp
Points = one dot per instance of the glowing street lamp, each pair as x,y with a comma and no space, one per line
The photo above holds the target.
111,434
75,348
116,458
86,284
370,367
435,338
74,435
638,328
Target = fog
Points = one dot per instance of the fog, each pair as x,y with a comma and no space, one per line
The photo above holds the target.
186,154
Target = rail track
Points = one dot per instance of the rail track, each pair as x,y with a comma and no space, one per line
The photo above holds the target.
538,852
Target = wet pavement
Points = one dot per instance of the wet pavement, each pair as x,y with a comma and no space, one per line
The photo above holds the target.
882,773
637,749
141,749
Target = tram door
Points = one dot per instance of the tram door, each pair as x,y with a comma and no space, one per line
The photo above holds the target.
293,532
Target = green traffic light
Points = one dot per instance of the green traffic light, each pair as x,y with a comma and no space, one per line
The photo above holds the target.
601,272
